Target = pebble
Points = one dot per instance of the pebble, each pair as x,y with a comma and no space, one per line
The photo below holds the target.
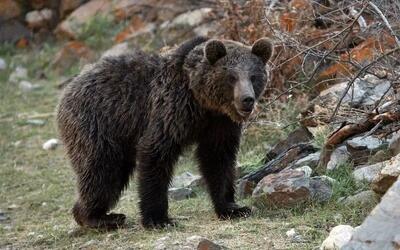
3,64
51,144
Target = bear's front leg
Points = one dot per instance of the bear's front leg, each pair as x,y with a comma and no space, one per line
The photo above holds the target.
216,154
155,169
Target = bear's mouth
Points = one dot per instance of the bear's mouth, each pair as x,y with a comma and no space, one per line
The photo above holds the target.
244,113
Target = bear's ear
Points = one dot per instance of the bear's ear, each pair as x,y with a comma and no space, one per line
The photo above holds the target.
214,50
262,48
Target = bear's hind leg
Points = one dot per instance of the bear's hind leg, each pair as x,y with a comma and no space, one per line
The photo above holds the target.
100,185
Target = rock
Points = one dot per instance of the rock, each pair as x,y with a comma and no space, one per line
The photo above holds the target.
180,193
67,6
300,135
370,142
26,86
39,19
186,180
116,50
20,73
353,97
51,144
207,29
91,244
191,18
339,156
286,188
366,173
12,206
321,188
161,243
133,31
13,31
294,236
9,9
363,198
3,216
338,237
208,245
381,229
245,188
387,176
394,143
36,122
73,52
71,27
3,64
310,160
306,170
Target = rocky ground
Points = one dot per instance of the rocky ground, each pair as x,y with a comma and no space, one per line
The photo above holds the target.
319,161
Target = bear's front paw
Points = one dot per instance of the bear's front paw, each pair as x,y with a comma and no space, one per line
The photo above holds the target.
232,210
151,223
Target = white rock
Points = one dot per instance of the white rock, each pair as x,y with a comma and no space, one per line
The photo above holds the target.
180,193
339,156
186,179
363,198
116,50
51,144
310,160
192,18
3,64
161,243
369,142
26,86
394,143
338,237
368,173
20,73
294,236
306,170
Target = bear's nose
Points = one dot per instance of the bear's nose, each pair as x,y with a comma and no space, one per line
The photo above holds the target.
247,103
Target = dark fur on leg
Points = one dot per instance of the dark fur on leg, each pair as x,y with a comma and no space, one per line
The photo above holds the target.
217,157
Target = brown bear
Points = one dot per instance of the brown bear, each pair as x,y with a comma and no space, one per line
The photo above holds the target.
140,111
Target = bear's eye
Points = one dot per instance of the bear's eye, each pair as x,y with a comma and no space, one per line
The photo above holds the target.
231,78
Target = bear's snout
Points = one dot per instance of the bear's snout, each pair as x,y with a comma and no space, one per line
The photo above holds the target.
244,98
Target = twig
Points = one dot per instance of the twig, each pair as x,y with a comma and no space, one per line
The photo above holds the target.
385,21
362,70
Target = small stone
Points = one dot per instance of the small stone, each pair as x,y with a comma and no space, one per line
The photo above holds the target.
310,160
12,207
20,73
51,144
294,236
180,193
339,156
186,179
338,237
362,199
161,243
90,243
3,216
35,122
38,19
3,64
306,170
26,86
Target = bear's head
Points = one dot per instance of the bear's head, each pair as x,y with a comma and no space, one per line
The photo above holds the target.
229,77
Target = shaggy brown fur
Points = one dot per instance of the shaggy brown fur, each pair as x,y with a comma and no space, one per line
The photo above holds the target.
143,110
